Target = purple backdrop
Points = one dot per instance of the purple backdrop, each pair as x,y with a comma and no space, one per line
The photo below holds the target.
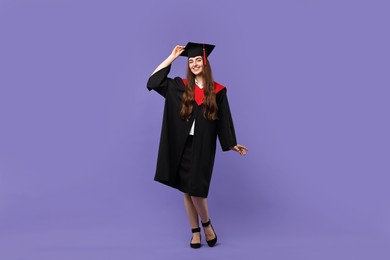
308,84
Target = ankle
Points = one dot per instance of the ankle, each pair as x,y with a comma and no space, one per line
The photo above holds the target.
206,223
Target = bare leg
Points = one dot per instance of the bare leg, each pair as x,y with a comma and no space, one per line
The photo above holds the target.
203,211
192,216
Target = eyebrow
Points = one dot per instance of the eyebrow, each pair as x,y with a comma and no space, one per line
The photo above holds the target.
195,58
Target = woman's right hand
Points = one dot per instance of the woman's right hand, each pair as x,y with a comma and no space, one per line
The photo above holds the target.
177,51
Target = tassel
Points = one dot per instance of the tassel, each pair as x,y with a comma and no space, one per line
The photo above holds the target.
204,55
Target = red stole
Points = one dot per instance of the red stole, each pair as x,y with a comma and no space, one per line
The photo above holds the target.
198,92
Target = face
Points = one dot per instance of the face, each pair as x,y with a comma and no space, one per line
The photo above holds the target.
196,65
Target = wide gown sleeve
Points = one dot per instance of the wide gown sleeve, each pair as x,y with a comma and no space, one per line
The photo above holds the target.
159,81
225,127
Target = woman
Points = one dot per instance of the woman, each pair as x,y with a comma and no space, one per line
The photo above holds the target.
196,112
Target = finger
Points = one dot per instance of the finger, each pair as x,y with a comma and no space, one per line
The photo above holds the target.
243,151
243,147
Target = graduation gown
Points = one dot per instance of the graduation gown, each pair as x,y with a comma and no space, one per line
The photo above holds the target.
174,133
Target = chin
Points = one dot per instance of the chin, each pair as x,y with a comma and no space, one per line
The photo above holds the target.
197,72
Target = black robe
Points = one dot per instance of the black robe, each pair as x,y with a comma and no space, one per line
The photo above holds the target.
174,134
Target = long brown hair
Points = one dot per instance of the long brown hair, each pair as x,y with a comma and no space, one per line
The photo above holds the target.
209,102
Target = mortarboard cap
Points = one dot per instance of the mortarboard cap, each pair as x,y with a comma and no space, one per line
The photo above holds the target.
193,49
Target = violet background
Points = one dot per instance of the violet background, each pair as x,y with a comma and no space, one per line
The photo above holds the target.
308,85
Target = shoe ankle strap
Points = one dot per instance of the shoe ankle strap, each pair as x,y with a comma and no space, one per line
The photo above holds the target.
206,224
196,230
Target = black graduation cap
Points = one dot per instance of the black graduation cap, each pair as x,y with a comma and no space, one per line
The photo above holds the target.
193,49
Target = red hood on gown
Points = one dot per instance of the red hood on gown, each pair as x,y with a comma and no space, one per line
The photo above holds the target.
199,91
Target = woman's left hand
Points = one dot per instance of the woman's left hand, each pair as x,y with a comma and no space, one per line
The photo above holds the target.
240,149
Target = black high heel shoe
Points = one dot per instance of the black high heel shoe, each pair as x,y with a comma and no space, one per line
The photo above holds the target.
195,245
213,241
